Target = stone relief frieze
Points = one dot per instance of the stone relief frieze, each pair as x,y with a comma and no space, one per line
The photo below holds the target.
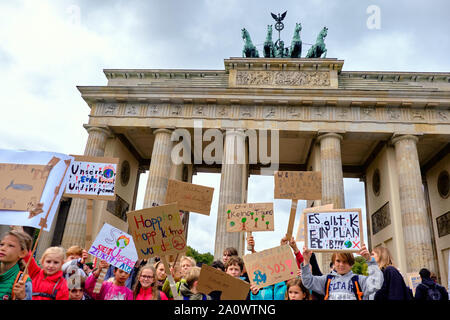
294,113
283,78
270,112
110,109
367,113
247,112
132,110
275,112
154,110
175,110
223,111
393,114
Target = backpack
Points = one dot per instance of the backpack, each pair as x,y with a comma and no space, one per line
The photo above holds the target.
47,295
433,292
356,287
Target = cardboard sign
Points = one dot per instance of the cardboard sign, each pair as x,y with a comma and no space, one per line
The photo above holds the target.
92,178
304,185
231,288
115,247
334,230
157,231
301,226
271,266
414,280
190,197
21,185
250,217
28,178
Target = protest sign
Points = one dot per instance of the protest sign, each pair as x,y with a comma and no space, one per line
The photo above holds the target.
28,178
190,197
271,266
334,230
92,178
413,280
115,247
229,287
250,217
304,185
157,231
301,226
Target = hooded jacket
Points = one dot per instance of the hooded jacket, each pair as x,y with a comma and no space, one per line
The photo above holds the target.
422,290
341,286
47,284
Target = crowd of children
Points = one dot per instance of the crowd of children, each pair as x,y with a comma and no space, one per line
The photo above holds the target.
66,275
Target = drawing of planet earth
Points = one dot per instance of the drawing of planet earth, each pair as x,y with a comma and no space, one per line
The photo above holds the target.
348,244
122,242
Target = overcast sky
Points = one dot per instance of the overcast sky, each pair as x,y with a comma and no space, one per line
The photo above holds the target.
47,48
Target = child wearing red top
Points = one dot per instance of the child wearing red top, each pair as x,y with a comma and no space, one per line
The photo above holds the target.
146,287
48,281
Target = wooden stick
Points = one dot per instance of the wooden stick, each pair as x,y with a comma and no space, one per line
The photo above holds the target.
173,286
100,279
291,218
89,224
43,222
249,247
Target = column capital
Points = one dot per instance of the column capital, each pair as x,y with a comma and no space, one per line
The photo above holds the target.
163,130
398,137
103,129
329,135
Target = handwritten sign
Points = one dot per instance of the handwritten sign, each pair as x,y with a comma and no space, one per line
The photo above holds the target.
190,197
21,185
271,266
250,217
301,226
414,280
230,288
305,185
334,230
115,247
157,231
92,178
28,178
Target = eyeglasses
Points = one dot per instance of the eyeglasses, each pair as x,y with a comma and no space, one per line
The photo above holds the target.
147,277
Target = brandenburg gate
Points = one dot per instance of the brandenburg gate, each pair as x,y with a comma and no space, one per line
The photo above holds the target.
389,129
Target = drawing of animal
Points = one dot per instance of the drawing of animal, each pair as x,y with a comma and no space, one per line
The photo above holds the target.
20,187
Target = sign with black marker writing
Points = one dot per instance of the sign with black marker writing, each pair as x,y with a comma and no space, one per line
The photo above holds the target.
334,230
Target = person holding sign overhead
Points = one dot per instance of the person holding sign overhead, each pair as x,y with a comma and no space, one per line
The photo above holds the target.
115,290
342,283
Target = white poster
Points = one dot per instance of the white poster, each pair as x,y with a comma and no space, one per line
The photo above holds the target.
334,230
115,247
92,178
51,195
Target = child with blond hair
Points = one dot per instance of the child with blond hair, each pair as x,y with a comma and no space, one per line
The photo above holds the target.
189,289
14,246
48,281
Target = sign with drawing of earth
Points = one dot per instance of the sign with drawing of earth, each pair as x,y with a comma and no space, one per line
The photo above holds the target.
115,247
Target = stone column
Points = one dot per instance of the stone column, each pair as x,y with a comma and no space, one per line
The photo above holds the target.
331,168
332,179
231,190
158,176
416,229
75,230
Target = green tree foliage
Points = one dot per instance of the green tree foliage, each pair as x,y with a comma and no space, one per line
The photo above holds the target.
206,258
360,266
